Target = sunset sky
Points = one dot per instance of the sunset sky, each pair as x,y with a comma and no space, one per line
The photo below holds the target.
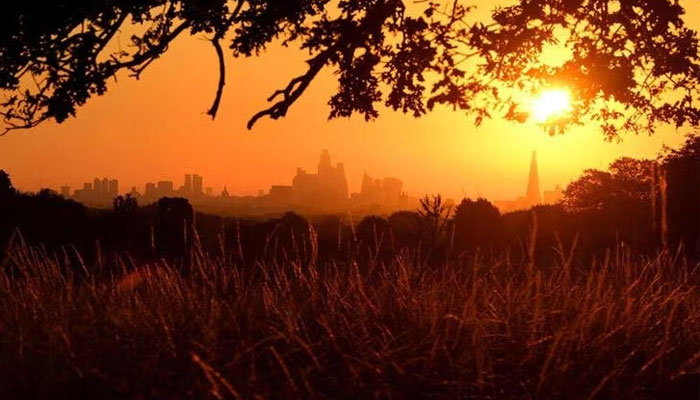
157,128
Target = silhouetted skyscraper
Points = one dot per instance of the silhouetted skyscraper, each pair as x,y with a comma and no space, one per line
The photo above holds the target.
188,183
379,193
326,190
197,184
98,193
165,188
151,190
533,196
113,188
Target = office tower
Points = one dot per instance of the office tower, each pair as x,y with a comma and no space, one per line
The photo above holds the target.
197,184
391,192
327,190
533,196
188,183
151,190
165,188
113,188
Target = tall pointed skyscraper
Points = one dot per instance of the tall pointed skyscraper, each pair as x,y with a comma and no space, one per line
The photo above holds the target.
533,196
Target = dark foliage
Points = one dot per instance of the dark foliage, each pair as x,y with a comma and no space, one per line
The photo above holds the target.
477,225
643,204
6,188
682,175
628,181
621,204
173,234
634,64
406,229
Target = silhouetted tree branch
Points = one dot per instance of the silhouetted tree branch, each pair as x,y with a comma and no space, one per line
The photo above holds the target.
631,65
222,78
216,42
292,92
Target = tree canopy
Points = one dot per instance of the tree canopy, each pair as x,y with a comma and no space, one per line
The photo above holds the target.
631,64
628,181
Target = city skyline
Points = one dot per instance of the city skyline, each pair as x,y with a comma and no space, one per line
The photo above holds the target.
464,186
323,190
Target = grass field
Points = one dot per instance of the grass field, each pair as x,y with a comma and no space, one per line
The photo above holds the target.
624,328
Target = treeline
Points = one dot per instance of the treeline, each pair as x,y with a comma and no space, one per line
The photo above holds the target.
643,204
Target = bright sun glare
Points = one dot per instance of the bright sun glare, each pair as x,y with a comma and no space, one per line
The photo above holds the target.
551,104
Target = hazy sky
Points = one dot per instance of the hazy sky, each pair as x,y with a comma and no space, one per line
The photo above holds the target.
156,128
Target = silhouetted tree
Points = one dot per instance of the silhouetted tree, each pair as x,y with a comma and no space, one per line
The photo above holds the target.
46,218
406,229
125,205
682,169
615,203
410,56
290,237
627,181
477,224
6,188
435,215
631,53
173,233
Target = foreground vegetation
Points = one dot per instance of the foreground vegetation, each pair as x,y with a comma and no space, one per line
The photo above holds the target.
622,327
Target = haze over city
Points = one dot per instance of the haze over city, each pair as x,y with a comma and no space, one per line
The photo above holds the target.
157,128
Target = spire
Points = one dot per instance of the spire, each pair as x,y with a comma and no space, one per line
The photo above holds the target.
324,164
533,196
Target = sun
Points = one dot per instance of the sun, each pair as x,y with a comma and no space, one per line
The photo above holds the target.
551,105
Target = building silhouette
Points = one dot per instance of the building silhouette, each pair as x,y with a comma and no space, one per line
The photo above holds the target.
99,193
113,188
325,190
533,195
192,189
151,191
165,188
197,185
65,191
187,188
377,195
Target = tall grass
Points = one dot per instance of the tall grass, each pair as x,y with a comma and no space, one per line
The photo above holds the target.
624,327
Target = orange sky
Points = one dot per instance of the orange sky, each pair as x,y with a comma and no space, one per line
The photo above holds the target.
156,128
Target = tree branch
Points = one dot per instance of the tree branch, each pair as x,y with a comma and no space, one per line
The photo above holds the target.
294,89
222,78
151,53
216,42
